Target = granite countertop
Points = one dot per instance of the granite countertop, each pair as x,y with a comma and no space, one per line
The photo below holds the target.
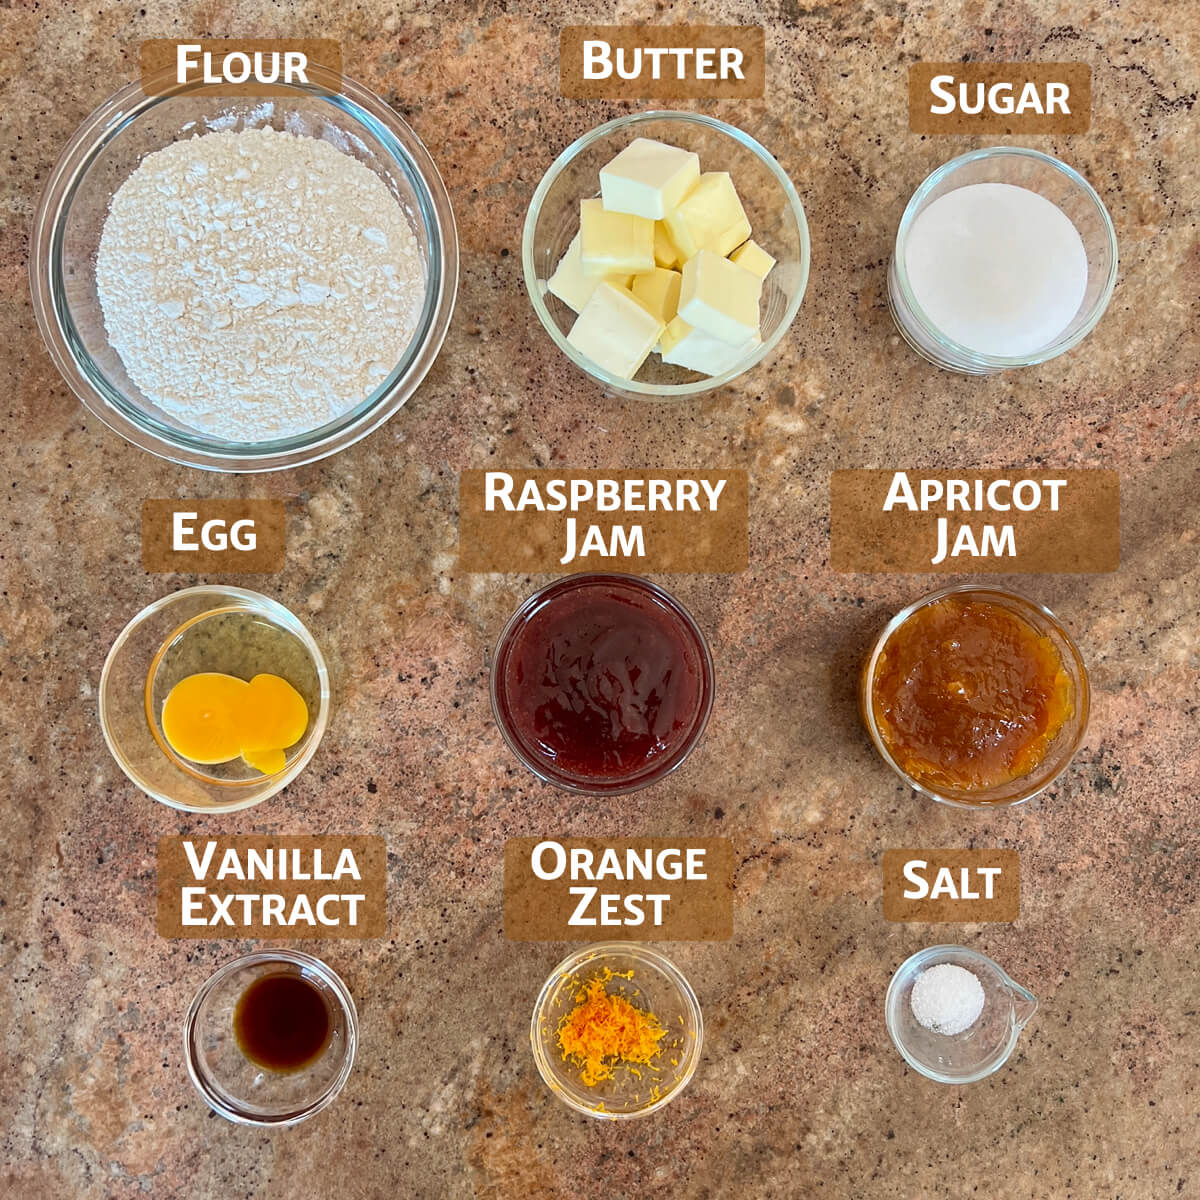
800,1092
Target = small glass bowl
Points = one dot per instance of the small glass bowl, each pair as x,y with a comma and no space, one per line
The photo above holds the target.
238,1089
541,766
975,1053
1060,751
1039,173
777,223
166,641
105,151
656,986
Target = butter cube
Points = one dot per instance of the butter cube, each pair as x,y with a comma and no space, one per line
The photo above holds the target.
685,346
648,178
754,258
572,286
666,253
615,330
613,242
720,298
658,290
709,217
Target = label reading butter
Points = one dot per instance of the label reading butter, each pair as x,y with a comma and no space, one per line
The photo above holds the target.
211,537
953,886
990,97
649,889
662,62
983,521
565,521
279,887
241,66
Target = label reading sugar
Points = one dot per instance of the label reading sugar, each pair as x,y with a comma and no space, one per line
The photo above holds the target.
992,97
640,889
212,537
241,66
278,887
953,886
566,521
981,521
662,62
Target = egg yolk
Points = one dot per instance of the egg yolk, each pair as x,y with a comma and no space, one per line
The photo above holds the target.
213,718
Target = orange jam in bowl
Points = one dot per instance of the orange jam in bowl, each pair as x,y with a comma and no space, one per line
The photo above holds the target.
975,696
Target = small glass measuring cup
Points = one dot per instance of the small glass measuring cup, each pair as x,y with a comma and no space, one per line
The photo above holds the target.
975,1053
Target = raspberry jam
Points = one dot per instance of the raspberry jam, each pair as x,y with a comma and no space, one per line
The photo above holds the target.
602,683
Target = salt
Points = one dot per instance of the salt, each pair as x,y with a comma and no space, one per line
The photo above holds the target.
997,268
947,999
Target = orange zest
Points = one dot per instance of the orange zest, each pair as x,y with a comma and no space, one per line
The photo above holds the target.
605,1030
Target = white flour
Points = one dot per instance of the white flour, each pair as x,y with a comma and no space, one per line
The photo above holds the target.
257,284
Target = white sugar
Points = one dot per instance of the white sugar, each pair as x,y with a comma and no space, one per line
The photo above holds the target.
947,999
997,268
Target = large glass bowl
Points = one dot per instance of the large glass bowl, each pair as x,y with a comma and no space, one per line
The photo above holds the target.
103,153
776,217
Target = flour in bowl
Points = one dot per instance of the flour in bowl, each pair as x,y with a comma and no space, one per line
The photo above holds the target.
257,284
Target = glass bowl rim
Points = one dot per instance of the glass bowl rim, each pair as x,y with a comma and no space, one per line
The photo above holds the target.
977,359
363,109
244,600
332,980
1021,602
648,777
595,951
891,1001
663,391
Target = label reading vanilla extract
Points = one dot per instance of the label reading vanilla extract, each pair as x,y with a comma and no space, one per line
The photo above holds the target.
640,889
278,887
1034,522
637,521
662,62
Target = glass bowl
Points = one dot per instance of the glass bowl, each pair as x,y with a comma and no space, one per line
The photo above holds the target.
109,146
527,749
212,628
1039,173
1060,751
776,218
656,985
978,1051
238,1089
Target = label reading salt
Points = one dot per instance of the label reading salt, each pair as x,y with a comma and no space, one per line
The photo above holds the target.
952,886
565,521
1035,522
211,537
640,889
241,66
662,62
999,97
279,887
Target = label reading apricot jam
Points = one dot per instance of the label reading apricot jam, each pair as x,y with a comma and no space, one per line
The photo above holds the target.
635,521
980,521
637,889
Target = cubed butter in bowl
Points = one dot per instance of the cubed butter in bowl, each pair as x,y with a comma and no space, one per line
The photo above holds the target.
684,271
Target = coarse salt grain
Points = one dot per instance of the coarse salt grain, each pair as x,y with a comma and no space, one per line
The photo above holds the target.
947,999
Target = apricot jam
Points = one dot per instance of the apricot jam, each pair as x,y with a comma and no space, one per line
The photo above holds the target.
602,683
968,695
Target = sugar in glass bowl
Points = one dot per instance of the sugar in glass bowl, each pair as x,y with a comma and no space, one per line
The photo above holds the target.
105,151
777,224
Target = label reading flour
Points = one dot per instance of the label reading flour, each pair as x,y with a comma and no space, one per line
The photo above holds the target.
650,889
640,521
241,66
981,521
279,887
662,62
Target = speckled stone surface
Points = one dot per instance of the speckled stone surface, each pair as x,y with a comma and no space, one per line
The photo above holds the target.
800,1093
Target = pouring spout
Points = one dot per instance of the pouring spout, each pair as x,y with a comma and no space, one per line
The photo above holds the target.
1024,1004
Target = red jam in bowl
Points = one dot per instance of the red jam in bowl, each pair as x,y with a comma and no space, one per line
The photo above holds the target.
602,683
